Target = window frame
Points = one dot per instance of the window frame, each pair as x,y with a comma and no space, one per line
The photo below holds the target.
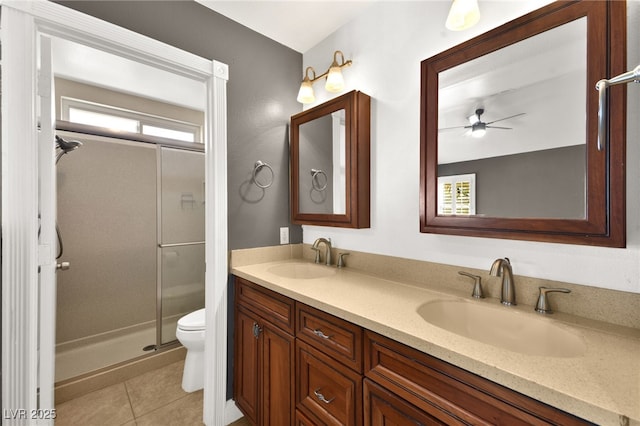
66,103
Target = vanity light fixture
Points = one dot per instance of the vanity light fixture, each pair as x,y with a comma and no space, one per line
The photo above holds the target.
462,15
334,84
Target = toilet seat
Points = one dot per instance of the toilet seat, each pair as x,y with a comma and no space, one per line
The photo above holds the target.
194,321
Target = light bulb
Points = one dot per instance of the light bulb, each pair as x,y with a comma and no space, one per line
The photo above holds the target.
462,15
305,94
478,133
335,81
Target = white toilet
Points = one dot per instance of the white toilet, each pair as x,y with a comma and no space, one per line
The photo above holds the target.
190,332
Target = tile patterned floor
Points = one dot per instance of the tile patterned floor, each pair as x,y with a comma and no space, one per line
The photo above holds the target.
155,398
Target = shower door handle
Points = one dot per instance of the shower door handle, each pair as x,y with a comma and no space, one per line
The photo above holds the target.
63,266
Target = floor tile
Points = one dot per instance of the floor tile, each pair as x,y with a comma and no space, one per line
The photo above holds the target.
156,389
108,406
185,411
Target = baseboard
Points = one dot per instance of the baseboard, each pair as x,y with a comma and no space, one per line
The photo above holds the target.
231,412
75,387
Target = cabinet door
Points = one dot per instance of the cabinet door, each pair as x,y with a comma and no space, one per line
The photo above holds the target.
382,408
277,384
246,389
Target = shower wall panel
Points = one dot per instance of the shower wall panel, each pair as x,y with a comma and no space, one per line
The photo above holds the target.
107,218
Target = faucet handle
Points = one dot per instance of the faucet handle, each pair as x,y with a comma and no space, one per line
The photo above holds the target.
477,286
543,306
317,250
341,263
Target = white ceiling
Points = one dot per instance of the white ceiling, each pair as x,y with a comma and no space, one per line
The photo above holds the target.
543,77
298,24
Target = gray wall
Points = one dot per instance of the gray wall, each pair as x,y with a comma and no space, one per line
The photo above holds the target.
547,183
264,81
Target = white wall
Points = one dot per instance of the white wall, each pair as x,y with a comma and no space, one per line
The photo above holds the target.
386,44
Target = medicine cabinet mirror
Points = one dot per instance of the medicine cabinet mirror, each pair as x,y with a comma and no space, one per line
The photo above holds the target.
330,163
509,130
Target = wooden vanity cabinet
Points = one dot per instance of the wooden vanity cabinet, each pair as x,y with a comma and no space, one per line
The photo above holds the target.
296,365
444,392
264,355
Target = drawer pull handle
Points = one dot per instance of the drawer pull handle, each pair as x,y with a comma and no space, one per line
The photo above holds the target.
319,333
321,396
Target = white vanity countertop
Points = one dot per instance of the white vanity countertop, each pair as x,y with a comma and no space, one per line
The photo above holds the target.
601,386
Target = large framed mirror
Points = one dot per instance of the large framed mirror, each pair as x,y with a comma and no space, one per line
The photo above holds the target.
509,130
330,158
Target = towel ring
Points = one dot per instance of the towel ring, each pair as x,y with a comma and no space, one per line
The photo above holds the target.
256,169
314,175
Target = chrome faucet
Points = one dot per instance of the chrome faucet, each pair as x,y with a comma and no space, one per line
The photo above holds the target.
502,268
327,252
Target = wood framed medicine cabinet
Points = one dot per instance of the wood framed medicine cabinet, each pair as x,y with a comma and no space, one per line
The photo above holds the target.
330,163
529,106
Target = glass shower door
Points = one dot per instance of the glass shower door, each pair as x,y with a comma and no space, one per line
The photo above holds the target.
181,257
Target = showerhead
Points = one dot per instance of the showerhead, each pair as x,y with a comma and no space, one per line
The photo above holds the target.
65,146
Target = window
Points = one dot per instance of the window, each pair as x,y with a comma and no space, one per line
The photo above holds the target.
121,120
82,116
457,194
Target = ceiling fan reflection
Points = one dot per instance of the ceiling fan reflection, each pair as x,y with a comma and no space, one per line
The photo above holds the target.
478,128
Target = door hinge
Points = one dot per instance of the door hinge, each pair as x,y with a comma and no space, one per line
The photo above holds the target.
256,330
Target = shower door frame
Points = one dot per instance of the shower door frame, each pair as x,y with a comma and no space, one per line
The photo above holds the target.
27,360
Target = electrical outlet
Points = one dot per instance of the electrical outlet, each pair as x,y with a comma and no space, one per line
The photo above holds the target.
284,235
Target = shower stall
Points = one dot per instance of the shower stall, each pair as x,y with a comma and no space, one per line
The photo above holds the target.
131,221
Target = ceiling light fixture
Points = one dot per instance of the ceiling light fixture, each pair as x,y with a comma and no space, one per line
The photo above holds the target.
335,81
478,129
462,15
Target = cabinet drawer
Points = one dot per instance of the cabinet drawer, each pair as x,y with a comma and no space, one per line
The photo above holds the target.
444,390
335,337
302,420
272,306
327,391
382,408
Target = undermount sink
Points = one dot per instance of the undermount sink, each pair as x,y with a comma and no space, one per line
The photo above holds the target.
503,327
302,270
